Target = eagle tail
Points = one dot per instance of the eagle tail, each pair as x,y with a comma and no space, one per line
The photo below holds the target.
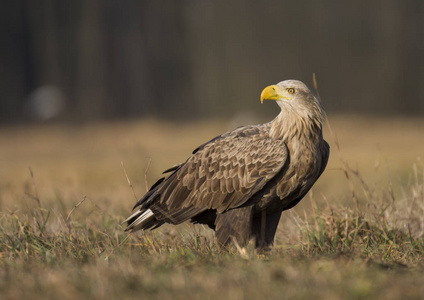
141,219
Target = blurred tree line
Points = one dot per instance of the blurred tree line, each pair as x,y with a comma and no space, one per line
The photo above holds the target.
84,60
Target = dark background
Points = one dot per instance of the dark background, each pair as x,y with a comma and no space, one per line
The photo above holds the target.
79,60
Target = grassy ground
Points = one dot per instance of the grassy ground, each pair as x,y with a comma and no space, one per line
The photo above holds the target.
64,192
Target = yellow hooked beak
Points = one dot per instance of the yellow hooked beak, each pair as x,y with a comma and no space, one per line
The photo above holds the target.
272,92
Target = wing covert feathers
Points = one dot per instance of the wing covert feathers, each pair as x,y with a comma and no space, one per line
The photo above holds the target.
221,175
226,172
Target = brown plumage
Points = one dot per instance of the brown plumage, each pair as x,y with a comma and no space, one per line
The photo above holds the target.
240,182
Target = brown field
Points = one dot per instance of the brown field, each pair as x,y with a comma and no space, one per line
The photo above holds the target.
64,192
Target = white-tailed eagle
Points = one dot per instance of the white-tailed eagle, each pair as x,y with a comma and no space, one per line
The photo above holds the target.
240,182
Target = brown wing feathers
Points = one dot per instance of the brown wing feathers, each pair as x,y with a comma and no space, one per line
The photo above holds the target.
222,174
225,172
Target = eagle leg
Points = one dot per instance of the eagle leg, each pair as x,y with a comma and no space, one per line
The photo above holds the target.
235,223
264,227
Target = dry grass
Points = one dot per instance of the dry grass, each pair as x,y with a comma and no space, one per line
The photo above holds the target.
359,235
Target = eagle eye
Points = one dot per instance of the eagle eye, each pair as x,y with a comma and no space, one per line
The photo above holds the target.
291,90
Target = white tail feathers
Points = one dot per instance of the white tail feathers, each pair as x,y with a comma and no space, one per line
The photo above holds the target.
141,219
